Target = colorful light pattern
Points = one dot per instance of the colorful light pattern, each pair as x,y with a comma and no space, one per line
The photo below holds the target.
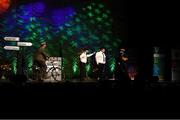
68,28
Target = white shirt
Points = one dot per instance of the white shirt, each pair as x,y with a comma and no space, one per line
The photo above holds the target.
100,58
84,56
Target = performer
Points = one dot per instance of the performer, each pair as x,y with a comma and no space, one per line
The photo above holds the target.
40,60
83,62
101,61
121,66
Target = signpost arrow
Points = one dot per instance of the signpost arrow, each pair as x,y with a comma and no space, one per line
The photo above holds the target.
11,48
24,44
11,38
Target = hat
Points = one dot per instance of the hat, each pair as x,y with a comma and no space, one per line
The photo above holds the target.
43,43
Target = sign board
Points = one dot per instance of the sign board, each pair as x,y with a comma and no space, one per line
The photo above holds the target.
11,38
24,44
16,48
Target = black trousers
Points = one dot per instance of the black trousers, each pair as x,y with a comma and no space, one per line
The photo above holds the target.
82,71
121,73
101,71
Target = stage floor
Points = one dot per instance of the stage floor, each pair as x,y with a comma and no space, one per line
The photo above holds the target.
93,83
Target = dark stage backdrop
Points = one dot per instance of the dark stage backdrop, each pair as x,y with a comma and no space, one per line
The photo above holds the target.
66,26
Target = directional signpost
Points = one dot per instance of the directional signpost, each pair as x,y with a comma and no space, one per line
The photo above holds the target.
19,44
20,48
11,38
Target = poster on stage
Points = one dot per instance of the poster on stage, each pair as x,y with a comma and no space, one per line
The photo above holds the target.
158,64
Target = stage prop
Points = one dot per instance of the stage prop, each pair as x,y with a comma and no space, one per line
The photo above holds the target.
159,64
54,69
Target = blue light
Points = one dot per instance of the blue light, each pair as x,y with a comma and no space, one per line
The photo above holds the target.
156,70
33,9
61,16
39,7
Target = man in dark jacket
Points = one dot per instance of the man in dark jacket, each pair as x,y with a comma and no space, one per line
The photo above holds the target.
121,66
40,59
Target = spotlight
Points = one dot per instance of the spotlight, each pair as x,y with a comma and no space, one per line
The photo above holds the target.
4,5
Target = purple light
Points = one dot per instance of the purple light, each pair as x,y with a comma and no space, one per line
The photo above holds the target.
34,9
61,16
28,10
39,7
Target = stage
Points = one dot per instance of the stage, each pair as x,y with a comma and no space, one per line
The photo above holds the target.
145,85
67,27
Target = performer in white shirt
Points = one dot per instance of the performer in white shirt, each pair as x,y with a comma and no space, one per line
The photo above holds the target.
83,62
101,61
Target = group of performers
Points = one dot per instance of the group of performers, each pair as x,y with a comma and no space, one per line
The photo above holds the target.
100,58
121,71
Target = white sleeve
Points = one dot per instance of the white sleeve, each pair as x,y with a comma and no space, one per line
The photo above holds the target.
89,55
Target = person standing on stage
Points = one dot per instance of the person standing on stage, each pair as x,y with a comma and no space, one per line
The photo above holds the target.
101,61
83,61
121,65
40,60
